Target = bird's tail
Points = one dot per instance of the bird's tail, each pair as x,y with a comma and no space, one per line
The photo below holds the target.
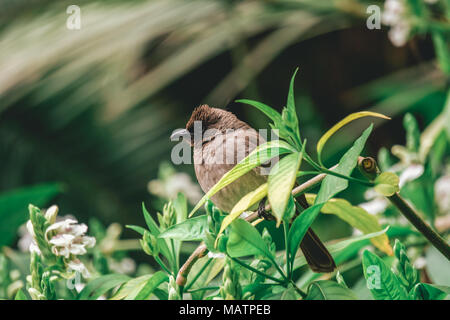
316,254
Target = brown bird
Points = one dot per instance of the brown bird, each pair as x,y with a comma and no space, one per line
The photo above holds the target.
220,140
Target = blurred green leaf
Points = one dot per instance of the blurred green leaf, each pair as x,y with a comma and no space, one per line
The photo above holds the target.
14,207
101,285
131,288
425,291
387,184
152,283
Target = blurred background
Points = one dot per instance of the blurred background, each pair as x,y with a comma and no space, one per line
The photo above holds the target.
86,115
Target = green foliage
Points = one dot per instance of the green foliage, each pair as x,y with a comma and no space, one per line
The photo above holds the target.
404,284
329,290
13,207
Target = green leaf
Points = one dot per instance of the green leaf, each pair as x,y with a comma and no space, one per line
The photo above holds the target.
155,280
381,281
437,266
329,290
281,181
154,230
246,202
342,123
20,295
358,218
387,184
180,205
209,273
261,154
291,113
131,288
138,229
425,291
290,294
101,285
331,185
268,111
412,132
245,240
190,230
14,207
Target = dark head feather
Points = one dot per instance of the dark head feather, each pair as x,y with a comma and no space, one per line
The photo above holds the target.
214,118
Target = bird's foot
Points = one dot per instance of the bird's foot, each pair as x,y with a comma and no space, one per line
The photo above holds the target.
262,213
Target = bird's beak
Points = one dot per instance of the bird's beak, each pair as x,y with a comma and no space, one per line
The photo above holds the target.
179,133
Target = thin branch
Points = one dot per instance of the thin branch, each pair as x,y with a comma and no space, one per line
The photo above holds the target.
369,167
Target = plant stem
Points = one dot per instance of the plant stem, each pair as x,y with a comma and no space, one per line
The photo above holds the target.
436,240
203,289
299,291
283,283
163,266
189,285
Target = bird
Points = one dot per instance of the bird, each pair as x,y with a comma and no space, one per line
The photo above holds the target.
220,140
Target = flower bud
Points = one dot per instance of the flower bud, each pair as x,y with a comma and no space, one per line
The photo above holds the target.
51,213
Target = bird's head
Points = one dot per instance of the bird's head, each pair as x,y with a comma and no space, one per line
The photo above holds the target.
208,122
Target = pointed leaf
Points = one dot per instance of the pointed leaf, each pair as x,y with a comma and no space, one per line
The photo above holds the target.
268,111
329,290
101,285
281,181
245,240
381,281
342,123
189,230
155,280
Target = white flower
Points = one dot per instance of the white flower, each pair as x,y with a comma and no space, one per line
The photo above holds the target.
375,206
77,266
215,255
399,33
442,193
412,172
420,263
125,266
69,238
395,16
177,182
51,213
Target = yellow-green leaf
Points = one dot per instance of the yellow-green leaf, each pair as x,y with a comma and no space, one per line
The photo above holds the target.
342,123
281,181
387,184
358,218
246,202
